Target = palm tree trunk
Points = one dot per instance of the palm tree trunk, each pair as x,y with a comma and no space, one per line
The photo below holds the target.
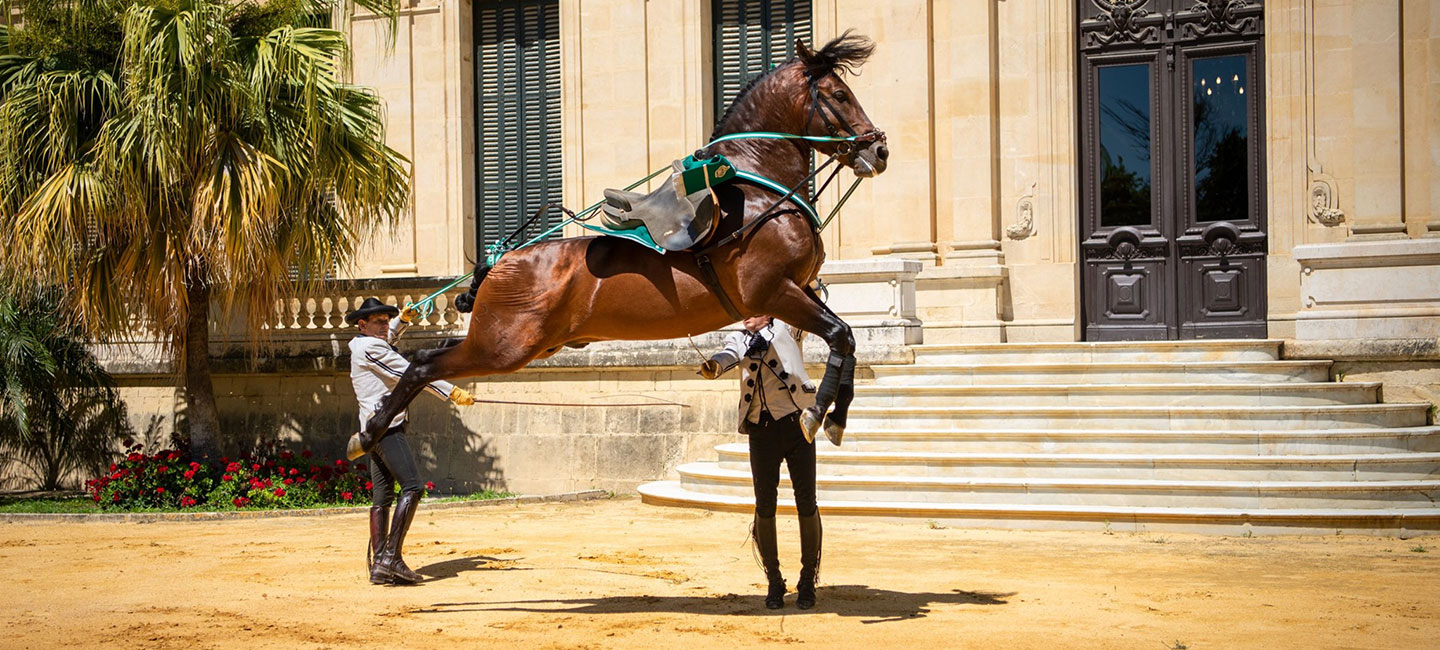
200,406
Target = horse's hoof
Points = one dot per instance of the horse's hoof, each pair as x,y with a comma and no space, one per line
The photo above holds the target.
809,424
833,431
354,449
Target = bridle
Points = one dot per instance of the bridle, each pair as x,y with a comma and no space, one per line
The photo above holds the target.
819,100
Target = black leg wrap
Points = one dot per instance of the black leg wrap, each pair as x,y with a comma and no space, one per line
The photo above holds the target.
845,393
830,383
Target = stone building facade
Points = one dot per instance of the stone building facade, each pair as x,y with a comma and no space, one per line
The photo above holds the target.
998,220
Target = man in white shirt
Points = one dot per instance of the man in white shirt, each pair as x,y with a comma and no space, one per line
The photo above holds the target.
375,367
773,390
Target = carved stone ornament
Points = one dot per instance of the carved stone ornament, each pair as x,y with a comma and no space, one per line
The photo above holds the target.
1024,225
1324,205
1212,17
1120,20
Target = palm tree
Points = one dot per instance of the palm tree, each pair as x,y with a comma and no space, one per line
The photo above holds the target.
160,155
59,411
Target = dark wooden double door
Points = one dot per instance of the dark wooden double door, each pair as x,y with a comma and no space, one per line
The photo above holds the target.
1172,169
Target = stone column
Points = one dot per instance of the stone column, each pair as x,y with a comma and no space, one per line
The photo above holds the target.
967,132
1377,112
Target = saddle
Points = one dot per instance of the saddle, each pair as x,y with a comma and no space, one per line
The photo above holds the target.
680,213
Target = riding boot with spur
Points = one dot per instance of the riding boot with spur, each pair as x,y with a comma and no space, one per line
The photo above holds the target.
810,537
764,534
388,563
379,528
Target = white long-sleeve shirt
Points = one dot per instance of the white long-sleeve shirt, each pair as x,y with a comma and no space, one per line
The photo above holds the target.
375,368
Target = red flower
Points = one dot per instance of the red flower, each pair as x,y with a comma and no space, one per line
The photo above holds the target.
97,498
134,458
285,455
159,490
341,462
115,497
255,467
347,496
190,473
163,469
430,485
226,477
195,466
186,502
232,467
369,485
307,453
289,481
279,492
112,467
240,502
300,480
294,471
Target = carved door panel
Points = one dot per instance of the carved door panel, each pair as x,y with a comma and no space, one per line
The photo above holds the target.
1172,169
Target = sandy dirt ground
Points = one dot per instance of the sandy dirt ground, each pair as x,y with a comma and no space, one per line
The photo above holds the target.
619,574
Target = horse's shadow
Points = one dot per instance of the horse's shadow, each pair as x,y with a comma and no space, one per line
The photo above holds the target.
450,568
860,601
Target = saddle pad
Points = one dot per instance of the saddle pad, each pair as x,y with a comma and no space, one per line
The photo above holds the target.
639,235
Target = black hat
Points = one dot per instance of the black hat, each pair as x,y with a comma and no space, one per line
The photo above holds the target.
369,307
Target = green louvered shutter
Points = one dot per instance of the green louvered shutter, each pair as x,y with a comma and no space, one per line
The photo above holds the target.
750,36
517,134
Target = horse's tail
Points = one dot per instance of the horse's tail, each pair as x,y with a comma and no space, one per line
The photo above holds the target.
466,301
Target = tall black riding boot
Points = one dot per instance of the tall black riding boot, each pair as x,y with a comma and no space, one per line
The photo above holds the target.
810,537
764,533
388,563
379,527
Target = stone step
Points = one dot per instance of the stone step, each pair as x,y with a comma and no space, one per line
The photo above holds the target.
1193,467
1157,351
1223,418
1187,372
712,479
1141,441
1214,520
1272,394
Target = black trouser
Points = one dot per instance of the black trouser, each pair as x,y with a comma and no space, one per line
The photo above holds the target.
772,441
392,460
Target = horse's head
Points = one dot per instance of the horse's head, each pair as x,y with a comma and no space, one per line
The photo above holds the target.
831,108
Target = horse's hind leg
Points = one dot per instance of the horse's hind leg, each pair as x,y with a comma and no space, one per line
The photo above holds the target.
428,366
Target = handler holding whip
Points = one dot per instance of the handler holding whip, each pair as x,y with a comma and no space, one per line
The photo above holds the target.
375,367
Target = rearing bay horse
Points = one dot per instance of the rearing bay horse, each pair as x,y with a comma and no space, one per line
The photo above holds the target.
570,292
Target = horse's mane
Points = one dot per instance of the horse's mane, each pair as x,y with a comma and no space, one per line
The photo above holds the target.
843,54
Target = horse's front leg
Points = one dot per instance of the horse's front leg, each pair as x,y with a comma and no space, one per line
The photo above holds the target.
802,309
845,391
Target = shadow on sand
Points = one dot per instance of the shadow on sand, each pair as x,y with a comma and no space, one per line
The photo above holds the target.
873,605
450,568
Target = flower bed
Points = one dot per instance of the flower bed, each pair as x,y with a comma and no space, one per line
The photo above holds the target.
269,478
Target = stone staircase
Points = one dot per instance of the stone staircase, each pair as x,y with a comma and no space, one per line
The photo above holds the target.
1207,436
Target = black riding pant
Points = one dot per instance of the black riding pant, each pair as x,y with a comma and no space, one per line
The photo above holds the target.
773,441
392,461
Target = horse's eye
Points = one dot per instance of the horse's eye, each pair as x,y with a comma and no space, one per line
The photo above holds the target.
842,96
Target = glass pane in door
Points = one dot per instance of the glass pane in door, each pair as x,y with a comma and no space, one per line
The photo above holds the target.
1124,92
1221,138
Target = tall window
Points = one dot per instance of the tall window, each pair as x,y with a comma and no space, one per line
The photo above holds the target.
750,37
517,122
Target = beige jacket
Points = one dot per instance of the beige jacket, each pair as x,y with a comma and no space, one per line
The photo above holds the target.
774,381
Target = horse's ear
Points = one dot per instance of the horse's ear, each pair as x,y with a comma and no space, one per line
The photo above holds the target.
802,51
